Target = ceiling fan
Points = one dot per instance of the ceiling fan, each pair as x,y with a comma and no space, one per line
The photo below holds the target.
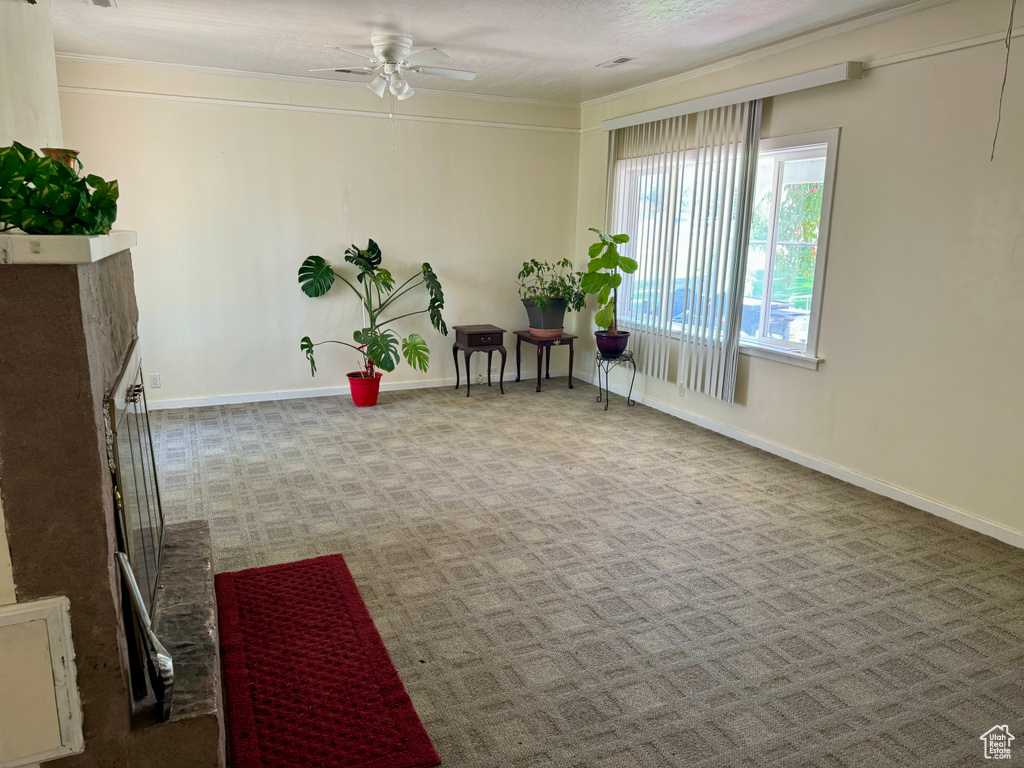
392,61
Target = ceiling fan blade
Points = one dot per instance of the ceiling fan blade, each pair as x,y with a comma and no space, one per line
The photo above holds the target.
428,56
347,70
365,56
454,74
378,85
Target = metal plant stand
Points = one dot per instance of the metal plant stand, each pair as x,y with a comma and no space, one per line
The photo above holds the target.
606,364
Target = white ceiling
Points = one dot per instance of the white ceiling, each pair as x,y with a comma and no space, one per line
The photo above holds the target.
534,49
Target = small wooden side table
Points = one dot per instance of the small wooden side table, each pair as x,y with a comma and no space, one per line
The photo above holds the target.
543,348
479,338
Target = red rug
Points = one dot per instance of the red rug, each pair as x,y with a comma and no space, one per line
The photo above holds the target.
307,679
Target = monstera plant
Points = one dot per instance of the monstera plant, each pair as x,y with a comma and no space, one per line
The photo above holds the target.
377,292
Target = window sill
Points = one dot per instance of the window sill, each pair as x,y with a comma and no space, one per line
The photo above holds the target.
757,350
781,356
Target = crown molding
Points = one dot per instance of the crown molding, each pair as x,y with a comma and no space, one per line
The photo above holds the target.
939,50
88,58
796,41
275,105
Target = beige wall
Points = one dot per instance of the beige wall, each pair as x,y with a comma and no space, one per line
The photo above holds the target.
29,111
228,200
922,309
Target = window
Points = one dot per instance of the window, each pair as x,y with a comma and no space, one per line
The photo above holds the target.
788,233
788,237
651,186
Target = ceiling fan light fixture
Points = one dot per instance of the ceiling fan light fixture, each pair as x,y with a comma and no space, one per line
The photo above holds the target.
400,86
378,85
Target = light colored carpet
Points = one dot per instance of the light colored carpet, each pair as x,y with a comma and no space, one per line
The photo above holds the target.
561,586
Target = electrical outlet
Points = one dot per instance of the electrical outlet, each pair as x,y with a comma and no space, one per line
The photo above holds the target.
154,380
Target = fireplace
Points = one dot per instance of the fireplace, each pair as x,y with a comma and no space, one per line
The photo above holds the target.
83,514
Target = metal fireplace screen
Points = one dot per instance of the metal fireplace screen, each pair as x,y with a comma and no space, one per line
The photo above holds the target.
140,534
134,469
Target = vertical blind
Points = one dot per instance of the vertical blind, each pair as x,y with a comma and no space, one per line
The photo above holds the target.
682,189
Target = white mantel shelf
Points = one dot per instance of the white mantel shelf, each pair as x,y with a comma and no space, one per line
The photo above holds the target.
63,249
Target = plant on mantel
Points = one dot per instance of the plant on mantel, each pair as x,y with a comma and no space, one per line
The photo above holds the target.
377,293
45,196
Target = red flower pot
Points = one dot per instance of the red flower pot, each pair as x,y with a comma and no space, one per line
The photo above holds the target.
364,389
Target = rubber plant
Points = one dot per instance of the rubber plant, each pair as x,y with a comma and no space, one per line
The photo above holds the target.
377,292
41,196
603,277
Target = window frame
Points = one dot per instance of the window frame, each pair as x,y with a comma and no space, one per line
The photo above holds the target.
794,143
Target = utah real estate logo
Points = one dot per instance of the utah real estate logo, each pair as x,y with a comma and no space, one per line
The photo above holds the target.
997,742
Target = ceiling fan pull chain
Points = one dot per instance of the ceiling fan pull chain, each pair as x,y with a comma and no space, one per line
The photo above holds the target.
394,141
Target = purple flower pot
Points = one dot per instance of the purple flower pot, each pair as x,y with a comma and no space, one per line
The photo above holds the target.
611,345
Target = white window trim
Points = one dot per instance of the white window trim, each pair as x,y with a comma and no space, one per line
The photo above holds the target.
808,358
779,355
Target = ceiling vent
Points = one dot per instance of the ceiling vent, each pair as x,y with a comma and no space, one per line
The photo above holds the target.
617,62
104,3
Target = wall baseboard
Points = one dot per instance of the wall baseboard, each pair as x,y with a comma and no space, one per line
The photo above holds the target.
958,516
298,394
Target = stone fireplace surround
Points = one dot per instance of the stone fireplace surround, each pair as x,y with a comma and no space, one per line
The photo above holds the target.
68,315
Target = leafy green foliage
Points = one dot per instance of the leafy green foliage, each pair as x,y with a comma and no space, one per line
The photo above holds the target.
414,349
366,260
593,282
41,196
603,275
315,276
540,281
377,292
381,347
306,345
799,218
383,280
436,298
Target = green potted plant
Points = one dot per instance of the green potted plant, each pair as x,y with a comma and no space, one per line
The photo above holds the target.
377,293
547,291
47,196
604,276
